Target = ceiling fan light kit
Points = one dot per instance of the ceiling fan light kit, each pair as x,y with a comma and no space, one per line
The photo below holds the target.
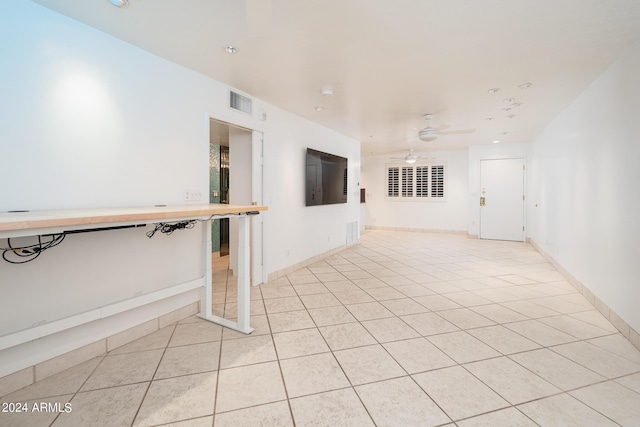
409,158
428,134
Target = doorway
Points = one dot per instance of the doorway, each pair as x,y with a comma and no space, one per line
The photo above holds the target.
502,204
235,177
219,183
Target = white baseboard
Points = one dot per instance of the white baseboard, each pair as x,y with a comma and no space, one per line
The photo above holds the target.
627,331
415,230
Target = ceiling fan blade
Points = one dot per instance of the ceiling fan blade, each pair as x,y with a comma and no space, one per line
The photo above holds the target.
259,17
457,132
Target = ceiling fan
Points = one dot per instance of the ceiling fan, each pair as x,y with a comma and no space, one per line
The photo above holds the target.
409,158
430,133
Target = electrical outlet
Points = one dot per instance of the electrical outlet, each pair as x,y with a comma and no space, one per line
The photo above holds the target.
192,196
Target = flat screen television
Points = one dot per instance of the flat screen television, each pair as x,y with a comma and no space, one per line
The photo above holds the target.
326,182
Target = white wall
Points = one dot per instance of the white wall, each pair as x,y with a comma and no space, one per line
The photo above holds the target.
584,188
485,152
87,120
449,215
294,232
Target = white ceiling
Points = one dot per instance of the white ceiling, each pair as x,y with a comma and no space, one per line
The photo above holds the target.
388,61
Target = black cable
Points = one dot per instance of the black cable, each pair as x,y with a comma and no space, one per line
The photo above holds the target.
169,227
31,252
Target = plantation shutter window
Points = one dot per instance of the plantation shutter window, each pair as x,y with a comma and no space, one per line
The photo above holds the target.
417,182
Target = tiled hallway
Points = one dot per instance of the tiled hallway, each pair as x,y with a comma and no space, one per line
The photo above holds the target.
403,329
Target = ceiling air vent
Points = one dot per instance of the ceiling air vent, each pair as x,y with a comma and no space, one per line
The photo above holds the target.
239,102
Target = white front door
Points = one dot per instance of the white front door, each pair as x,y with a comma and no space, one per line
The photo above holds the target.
502,199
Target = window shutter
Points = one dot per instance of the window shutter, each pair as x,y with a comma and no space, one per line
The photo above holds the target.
407,182
437,181
393,182
418,183
422,181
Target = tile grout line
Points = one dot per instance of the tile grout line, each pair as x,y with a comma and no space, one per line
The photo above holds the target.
215,397
462,329
520,265
144,396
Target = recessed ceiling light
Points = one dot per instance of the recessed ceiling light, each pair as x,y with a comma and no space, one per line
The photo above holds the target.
511,116
506,109
509,100
516,104
327,91
494,90
119,3
489,118
496,142
319,108
230,49
524,86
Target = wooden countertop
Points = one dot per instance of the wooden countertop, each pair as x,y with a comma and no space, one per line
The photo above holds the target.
11,221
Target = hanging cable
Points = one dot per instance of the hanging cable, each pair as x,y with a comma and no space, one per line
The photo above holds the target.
168,228
23,254
27,253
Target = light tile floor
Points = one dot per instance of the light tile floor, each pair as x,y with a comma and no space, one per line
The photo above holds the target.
402,329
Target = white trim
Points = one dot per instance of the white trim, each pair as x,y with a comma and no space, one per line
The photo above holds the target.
21,337
233,121
251,127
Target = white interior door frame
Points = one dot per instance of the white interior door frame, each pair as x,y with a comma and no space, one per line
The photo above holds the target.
257,222
258,137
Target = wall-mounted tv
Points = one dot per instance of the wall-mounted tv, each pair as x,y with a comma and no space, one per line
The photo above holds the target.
326,181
